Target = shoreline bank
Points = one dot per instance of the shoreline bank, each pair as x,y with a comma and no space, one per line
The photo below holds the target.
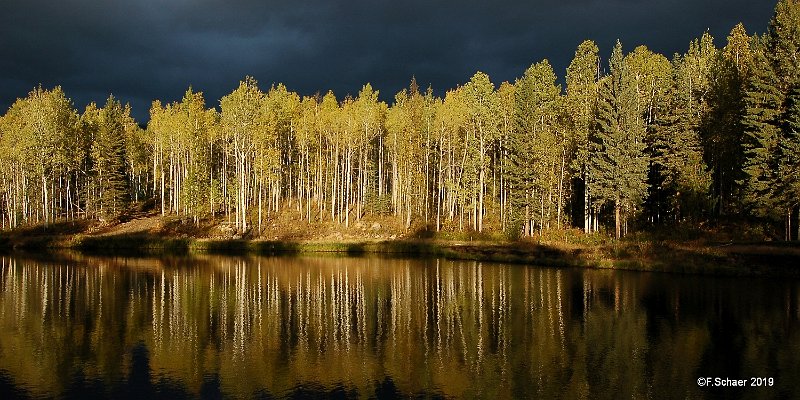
775,259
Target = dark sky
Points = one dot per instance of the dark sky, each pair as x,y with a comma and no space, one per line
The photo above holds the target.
141,50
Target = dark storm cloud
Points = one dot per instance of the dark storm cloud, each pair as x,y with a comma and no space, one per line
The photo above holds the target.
154,49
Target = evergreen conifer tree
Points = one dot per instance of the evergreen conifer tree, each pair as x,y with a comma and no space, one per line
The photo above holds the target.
678,154
789,164
109,159
581,100
774,76
533,144
618,164
721,129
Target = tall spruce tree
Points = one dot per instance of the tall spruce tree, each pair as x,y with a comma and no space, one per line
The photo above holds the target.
721,128
679,178
764,101
774,75
581,100
684,179
789,164
534,146
109,159
618,164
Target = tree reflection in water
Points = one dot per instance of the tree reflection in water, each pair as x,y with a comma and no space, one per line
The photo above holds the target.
369,327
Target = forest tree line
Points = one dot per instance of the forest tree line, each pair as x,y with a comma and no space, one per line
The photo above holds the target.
638,139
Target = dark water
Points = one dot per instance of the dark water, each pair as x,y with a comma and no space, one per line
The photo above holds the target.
214,326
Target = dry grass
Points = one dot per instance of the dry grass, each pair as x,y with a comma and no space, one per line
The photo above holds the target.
681,249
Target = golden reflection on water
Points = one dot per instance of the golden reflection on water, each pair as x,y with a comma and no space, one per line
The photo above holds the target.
458,329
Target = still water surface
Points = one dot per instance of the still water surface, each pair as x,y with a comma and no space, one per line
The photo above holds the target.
297,327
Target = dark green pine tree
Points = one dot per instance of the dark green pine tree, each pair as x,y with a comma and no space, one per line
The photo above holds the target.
670,125
535,103
721,127
789,164
109,160
764,100
520,149
580,101
774,74
618,163
684,180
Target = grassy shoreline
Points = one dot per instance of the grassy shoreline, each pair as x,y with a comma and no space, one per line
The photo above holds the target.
774,259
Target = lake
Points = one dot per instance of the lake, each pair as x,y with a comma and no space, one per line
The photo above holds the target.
212,326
